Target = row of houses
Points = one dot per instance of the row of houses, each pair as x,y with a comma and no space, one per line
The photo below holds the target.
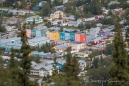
60,46
46,67
62,19
77,36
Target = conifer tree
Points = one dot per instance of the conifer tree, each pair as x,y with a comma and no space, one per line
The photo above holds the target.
118,71
55,71
127,36
14,70
25,63
71,69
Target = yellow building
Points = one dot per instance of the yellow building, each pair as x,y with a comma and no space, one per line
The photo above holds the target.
56,15
53,35
48,34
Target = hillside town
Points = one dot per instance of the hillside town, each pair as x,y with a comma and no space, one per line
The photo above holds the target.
56,31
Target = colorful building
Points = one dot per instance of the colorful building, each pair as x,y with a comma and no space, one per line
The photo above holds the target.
28,33
67,36
80,37
55,15
53,35
38,33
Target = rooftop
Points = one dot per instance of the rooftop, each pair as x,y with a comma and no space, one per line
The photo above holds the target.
61,46
80,53
37,39
9,40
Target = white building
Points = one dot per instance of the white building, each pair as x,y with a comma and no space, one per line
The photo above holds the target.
34,19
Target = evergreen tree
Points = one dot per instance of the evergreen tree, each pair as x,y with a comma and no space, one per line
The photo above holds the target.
14,70
45,10
118,71
55,71
25,63
127,36
4,75
71,69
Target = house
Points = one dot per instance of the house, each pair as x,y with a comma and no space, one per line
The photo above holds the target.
94,31
34,20
73,23
60,48
122,22
111,27
89,38
113,3
80,37
99,17
58,14
56,22
117,11
104,33
58,42
99,25
40,54
81,20
100,46
53,35
41,27
82,64
70,30
28,33
91,19
81,54
16,40
35,53
55,15
67,36
68,18
105,10
54,28
38,41
96,41
77,46
9,46
41,69
38,33
64,24
20,12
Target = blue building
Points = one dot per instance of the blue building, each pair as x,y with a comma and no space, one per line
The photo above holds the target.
38,33
3,42
72,36
67,36
62,36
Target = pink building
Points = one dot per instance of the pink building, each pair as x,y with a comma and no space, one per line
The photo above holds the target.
28,33
80,37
